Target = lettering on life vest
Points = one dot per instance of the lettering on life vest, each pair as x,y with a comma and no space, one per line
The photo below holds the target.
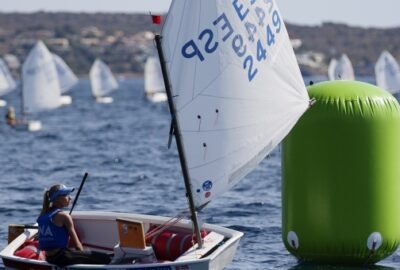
45,231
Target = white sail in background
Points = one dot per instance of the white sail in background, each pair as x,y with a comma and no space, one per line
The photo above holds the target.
341,69
332,69
387,73
101,79
41,89
7,83
236,84
153,79
67,78
154,88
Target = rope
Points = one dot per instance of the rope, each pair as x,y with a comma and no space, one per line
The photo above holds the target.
169,223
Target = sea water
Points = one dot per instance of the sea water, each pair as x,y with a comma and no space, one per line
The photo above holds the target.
123,147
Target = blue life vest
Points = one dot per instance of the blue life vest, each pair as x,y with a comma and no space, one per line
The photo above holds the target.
51,236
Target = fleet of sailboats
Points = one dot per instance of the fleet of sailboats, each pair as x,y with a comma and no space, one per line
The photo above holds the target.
154,88
341,69
44,77
102,81
7,82
226,117
387,73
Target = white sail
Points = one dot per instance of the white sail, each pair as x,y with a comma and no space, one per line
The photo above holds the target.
101,79
153,79
332,69
341,69
7,83
66,77
387,73
41,90
236,84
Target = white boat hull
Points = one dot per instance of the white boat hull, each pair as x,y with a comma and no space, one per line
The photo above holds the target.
104,100
66,100
28,126
98,231
157,97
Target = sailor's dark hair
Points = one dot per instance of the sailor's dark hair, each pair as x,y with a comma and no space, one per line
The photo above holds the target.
46,198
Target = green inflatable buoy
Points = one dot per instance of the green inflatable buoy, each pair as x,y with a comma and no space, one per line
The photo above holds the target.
341,176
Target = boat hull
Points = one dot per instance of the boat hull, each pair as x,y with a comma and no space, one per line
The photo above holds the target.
104,100
219,245
157,97
28,126
66,100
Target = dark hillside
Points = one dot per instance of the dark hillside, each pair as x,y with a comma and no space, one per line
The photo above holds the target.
121,40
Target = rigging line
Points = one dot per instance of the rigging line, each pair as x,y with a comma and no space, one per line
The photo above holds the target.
167,224
161,228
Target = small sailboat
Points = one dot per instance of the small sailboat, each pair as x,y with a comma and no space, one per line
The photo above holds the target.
154,88
102,81
66,77
233,94
7,82
341,69
40,89
387,73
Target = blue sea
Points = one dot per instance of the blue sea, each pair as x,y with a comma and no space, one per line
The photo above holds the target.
123,147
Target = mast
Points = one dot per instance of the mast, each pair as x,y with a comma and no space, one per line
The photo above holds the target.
179,143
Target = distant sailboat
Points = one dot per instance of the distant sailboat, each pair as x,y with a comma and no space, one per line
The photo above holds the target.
341,69
66,77
102,81
153,81
40,86
387,73
7,83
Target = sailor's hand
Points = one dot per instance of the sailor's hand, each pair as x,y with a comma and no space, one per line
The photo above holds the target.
79,247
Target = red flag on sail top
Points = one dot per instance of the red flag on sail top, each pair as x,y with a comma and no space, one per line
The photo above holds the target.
156,19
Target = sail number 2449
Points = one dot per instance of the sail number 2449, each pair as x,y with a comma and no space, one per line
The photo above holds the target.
250,43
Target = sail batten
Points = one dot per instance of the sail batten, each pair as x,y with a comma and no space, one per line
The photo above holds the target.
236,87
